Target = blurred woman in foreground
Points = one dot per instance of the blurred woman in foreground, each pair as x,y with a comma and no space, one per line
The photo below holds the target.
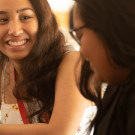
105,30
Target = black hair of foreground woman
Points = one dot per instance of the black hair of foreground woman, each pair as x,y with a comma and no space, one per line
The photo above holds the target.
111,24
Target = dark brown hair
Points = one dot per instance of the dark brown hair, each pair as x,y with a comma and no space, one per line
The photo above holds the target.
39,68
114,21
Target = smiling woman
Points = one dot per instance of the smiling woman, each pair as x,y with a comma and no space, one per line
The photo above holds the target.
13,23
37,73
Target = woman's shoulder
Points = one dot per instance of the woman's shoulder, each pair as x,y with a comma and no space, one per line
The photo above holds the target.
71,55
70,61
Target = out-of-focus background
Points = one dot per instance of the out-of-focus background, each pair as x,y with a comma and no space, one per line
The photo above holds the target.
62,9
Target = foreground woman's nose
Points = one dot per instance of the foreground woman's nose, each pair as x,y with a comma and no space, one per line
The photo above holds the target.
15,28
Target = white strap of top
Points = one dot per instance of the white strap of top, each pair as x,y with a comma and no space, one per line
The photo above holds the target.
70,48
2,80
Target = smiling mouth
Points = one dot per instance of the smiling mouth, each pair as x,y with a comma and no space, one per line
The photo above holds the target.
19,43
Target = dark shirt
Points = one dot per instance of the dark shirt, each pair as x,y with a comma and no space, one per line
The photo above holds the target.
118,110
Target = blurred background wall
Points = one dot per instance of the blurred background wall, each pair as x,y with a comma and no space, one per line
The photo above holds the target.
62,9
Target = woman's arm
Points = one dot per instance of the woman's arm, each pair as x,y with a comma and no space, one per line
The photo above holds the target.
68,109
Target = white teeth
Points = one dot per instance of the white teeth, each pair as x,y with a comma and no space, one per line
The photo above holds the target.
17,43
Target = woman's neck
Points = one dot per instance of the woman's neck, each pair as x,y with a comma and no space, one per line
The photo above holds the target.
16,65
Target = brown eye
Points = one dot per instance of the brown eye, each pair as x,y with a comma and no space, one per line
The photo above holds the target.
4,20
25,18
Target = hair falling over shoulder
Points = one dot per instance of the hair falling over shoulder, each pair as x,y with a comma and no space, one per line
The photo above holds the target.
39,68
89,87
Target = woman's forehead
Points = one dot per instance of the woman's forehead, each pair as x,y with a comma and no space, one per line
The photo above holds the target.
14,4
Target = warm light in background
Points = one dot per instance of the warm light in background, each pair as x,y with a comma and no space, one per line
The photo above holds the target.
62,9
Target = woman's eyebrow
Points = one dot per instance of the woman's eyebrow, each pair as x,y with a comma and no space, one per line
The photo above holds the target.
20,10
3,12
23,9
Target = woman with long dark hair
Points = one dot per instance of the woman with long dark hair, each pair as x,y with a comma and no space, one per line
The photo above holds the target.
105,30
37,72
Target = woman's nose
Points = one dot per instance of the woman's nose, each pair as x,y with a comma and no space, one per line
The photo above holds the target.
15,28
